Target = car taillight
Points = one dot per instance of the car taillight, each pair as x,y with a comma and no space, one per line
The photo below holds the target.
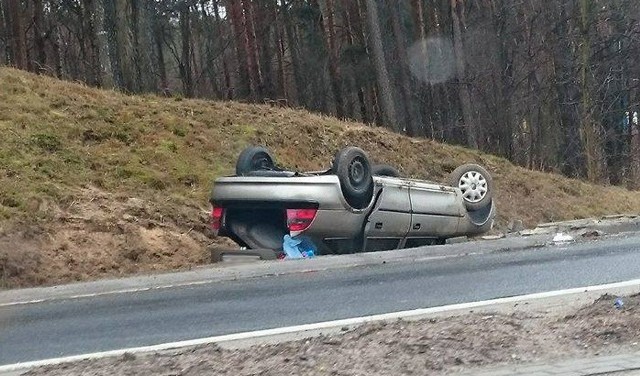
216,217
300,219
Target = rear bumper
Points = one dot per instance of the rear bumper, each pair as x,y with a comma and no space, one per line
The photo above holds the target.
321,191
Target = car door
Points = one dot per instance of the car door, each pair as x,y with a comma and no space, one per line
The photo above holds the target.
389,221
435,212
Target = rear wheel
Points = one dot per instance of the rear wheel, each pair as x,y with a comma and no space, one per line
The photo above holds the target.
476,185
353,169
254,158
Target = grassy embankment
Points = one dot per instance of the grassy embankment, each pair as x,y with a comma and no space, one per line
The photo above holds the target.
95,183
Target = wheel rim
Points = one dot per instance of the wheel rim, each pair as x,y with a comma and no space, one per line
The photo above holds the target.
356,172
474,186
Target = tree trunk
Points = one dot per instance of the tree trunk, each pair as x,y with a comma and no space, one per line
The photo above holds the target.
370,92
283,91
39,35
418,20
162,69
123,37
384,84
296,60
110,43
141,14
4,33
237,22
568,98
17,43
504,114
102,44
463,88
265,24
328,21
93,52
251,47
57,51
210,36
185,61
410,124
352,27
225,65
589,129
437,97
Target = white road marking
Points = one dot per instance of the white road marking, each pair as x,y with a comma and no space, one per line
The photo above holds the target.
197,283
315,326
183,284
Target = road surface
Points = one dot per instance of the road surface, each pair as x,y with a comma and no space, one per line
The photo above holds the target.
66,327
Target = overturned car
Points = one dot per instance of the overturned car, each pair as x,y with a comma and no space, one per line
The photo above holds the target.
353,206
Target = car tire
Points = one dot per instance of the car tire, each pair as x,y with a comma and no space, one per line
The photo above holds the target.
476,185
353,169
254,158
385,170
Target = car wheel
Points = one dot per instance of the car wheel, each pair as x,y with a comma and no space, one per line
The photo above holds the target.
385,170
353,169
254,158
476,185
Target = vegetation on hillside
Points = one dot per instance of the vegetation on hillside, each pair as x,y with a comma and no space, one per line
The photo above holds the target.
97,183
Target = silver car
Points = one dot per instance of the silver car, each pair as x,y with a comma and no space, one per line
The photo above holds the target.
352,207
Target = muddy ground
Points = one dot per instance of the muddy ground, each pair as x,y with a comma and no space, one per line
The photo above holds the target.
101,235
434,346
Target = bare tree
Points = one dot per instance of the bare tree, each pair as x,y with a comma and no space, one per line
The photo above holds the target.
384,84
17,43
329,23
236,15
404,82
463,88
225,65
142,25
102,44
39,35
589,130
185,62
4,36
253,57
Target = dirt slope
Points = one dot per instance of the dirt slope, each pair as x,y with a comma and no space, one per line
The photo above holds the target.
95,183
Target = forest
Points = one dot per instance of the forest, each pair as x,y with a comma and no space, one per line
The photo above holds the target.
551,85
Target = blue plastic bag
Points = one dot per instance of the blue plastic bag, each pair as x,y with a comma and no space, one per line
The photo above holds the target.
290,247
298,247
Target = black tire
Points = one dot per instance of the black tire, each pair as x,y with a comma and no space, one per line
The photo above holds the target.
254,158
476,185
353,169
385,170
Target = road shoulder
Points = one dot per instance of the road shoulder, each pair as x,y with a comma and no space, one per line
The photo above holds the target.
514,332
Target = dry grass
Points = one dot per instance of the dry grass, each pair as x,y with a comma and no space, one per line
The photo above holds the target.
64,143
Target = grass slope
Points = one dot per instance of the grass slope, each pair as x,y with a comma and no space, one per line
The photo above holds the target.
81,170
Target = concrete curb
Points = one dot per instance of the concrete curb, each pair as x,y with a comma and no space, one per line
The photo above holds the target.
214,273
611,224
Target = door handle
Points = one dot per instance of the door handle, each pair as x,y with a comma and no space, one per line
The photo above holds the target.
416,226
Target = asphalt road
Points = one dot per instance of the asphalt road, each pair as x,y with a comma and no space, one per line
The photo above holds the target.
76,326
